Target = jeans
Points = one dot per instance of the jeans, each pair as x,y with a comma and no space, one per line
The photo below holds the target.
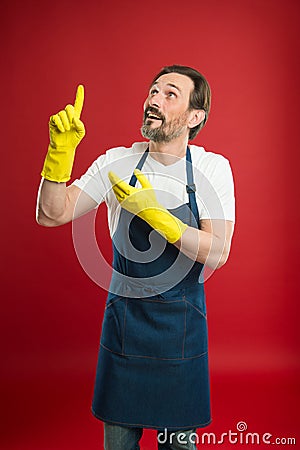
122,438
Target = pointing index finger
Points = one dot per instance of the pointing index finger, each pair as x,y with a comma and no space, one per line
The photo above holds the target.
78,105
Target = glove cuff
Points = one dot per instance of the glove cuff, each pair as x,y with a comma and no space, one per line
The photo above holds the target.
58,164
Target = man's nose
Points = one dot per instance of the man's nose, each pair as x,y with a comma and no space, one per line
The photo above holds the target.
155,100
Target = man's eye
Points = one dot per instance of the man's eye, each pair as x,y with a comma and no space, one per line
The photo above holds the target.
153,91
171,94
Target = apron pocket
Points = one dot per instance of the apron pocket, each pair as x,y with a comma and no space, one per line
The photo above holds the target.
112,336
155,328
196,342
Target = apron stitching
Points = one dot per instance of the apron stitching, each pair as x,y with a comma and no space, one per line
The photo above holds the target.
198,310
152,357
184,332
142,300
124,324
201,424
112,302
191,215
157,301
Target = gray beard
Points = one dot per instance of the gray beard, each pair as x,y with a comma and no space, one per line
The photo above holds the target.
166,132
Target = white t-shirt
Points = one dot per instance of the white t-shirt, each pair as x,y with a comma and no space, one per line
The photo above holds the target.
212,177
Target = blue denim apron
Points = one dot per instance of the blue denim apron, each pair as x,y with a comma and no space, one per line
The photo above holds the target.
153,364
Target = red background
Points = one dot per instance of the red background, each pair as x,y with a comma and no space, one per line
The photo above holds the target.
50,310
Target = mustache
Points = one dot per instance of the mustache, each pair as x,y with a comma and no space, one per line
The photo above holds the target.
152,109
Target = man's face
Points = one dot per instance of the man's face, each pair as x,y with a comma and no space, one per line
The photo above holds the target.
166,109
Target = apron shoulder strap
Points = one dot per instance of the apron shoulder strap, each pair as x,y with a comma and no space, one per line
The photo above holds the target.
139,166
191,187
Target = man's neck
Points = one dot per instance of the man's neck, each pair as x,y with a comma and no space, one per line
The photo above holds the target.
169,152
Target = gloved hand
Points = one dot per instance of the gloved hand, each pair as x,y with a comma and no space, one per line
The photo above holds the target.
143,203
66,131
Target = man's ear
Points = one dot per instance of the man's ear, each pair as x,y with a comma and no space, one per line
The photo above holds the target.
197,116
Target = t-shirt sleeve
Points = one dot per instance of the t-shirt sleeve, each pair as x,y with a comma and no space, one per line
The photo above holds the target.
217,192
92,182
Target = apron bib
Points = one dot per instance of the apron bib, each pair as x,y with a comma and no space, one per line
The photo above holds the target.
153,365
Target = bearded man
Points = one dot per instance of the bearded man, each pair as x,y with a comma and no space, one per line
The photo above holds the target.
170,213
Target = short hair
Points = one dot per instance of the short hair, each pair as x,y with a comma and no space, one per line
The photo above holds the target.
200,97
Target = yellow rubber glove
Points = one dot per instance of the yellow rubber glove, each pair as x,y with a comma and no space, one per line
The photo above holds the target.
143,203
66,131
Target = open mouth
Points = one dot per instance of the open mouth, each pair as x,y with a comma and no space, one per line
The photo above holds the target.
150,115
153,117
